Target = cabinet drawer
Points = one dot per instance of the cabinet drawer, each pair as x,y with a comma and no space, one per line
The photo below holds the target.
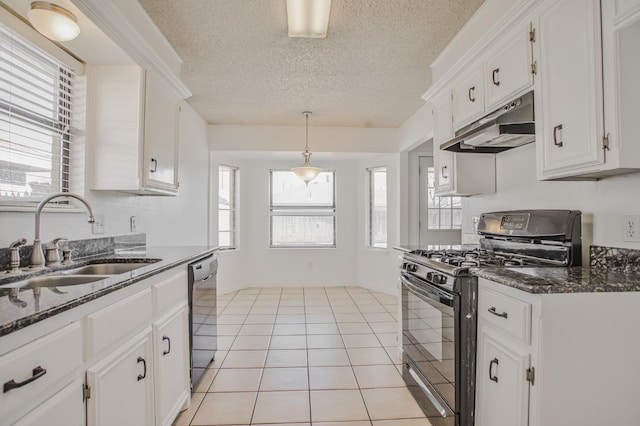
45,362
64,408
508,314
171,292
110,324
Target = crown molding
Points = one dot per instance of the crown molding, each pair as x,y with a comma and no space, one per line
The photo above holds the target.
126,29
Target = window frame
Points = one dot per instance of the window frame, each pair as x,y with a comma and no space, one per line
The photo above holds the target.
233,207
451,208
329,211
370,205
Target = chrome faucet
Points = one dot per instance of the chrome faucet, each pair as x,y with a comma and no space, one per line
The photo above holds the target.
51,254
37,259
14,257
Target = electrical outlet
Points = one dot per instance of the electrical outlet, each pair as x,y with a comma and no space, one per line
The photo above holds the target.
98,225
134,224
475,220
631,228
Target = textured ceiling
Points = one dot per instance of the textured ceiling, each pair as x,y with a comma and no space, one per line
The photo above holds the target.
370,71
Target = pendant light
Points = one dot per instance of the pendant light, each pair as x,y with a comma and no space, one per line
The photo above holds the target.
306,172
53,21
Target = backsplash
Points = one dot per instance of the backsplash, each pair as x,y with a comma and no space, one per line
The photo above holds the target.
85,248
615,259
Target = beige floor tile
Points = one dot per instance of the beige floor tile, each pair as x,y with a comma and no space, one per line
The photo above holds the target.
280,424
327,357
288,329
284,379
361,423
361,341
341,301
350,318
218,359
337,405
332,378
354,328
391,403
379,317
320,318
236,310
324,341
378,376
298,301
385,327
228,329
225,342
206,380
288,342
348,309
282,407
231,319
185,417
256,330
260,319
290,319
287,358
267,302
372,308
403,422
237,380
247,343
394,354
265,309
318,309
368,356
290,310
322,329
388,339
245,359
225,409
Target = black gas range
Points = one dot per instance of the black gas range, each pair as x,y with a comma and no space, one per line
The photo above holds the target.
440,296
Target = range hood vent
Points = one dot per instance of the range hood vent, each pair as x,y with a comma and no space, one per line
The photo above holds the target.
509,126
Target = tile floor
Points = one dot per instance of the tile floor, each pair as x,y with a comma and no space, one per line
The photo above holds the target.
321,356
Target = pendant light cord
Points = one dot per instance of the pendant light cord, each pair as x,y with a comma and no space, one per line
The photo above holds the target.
306,146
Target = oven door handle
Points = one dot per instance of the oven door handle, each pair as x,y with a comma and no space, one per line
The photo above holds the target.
428,291
428,393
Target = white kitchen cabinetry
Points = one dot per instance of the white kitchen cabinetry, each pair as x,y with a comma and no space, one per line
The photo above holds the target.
458,174
586,119
65,408
559,359
134,131
508,71
121,386
468,98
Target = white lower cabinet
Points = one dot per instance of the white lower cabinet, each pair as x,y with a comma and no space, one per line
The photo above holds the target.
502,388
65,408
171,364
121,386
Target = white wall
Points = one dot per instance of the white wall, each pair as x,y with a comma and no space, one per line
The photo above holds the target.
603,203
166,220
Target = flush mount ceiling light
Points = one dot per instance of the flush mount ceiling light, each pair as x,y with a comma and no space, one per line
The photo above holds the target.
306,172
308,18
52,21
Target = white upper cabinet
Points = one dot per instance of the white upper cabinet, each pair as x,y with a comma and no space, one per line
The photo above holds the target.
508,71
443,131
134,131
468,98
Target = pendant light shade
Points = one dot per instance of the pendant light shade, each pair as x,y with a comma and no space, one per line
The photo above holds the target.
306,172
52,21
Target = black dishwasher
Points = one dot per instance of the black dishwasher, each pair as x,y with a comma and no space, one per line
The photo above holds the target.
202,315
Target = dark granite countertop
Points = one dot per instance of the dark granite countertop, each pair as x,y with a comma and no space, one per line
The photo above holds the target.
548,280
42,303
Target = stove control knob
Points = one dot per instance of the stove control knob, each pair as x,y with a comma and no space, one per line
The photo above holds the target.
430,276
443,279
411,267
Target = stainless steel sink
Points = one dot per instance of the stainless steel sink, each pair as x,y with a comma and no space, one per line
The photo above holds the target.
55,281
105,268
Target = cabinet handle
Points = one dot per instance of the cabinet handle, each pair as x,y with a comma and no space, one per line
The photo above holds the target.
168,351
155,166
494,76
472,94
492,376
555,135
144,368
35,375
492,310
443,174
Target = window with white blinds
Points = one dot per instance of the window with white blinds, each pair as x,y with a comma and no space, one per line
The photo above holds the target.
36,104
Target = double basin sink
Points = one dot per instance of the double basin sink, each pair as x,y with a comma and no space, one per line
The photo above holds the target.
81,275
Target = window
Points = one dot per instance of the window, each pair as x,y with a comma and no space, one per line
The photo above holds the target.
227,177
378,207
444,212
302,215
36,103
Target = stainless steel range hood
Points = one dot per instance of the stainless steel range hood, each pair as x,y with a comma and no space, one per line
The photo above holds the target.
509,126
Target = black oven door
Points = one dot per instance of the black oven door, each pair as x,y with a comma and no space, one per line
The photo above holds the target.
429,321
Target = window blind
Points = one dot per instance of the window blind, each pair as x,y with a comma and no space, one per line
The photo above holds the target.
36,105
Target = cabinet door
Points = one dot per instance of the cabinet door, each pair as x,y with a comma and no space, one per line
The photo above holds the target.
502,389
468,98
65,408
569,108
509,71
171,352
443,131
121,386
160,167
